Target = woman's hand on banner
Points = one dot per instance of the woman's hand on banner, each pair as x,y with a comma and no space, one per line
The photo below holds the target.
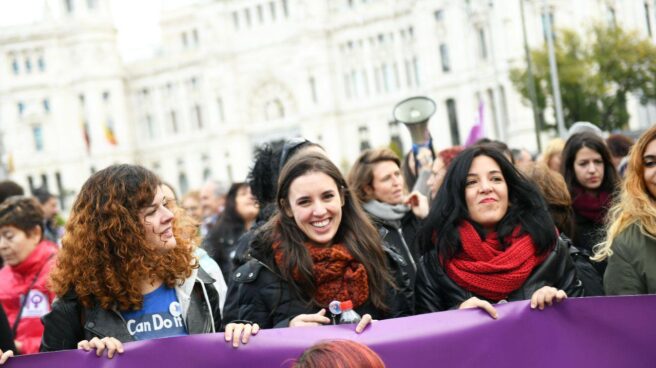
545,296
112,345
475,302
237,332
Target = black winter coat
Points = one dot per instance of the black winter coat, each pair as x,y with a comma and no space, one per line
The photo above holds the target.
69,322
435,291
401,239
258,294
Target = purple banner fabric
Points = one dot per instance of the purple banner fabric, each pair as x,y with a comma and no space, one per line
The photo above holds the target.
585,332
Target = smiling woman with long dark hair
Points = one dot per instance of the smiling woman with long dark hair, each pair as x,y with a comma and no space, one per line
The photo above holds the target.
490,238
317,248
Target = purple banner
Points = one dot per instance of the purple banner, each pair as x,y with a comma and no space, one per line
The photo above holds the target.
585,332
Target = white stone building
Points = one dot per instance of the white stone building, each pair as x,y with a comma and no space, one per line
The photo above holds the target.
232,74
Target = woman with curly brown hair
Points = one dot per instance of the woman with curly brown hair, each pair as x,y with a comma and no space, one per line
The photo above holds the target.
126,270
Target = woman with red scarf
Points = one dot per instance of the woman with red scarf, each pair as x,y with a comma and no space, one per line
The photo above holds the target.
318,248
591,179
491,240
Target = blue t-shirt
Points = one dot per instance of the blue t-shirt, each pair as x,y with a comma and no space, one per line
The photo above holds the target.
159,317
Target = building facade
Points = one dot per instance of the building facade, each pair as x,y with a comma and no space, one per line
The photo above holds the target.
233,74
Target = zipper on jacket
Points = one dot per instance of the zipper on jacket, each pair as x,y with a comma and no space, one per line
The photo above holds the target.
407,249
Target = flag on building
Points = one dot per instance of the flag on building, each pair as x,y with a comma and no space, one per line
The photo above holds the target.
477,130
109,132
85,134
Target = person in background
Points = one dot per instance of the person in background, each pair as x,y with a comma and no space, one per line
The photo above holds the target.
438,170
339,354
206,262
619,146
592,180
490,239
240,212
319,247
7,346
191,203
552,154
522,158
50,205
630,247
555,193
8,189
212,200
379,187
126,259
28,258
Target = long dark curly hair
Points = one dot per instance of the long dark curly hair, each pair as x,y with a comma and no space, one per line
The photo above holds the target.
105,254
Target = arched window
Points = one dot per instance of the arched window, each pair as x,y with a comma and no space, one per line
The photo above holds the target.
183,184
274,110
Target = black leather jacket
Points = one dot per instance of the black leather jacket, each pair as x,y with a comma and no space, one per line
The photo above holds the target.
258,294
69,322
435,291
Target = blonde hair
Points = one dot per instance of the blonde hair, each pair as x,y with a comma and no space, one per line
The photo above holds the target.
554,147
634,205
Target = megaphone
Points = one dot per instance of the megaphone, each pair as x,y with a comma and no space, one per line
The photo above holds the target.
414,113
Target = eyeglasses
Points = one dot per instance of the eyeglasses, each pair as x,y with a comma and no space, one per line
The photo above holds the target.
290,146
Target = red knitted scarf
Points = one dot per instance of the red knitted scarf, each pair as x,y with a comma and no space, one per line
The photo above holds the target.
337,275
486,270
593,207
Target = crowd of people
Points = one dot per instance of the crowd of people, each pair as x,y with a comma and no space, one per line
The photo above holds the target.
462,227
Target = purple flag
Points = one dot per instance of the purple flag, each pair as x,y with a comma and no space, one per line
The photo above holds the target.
579,332
477,132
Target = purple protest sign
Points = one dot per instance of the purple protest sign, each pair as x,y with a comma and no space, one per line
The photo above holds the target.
584,332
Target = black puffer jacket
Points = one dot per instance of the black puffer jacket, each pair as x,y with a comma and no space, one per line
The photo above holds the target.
258,294
69,322
435,291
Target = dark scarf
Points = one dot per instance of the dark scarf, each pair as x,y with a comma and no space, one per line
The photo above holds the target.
590,206
337,275
485,269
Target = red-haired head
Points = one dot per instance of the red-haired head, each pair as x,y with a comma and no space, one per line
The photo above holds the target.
339,354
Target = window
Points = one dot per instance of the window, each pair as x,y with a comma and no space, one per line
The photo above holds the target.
173,122
185,42
313,89
37,134
285,10
41,64
46,105
365,80
408,72
92,4
363,136
235,19
395,136
272,9
444,58
69,6
347,85
150,126
105,96
198,116
260,13
14,65
415,68
183,183
247,16
44,181
207,174
219,107
194,36
60,189
439,15
30,183
274,110
378,80
395,69
387,77
482,44
28,64
611,17
21,108
453,121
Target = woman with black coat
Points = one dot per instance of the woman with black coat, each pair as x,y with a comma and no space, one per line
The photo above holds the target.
318,248
491,239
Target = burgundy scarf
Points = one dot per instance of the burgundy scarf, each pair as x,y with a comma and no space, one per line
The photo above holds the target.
337,275
593,207
486,270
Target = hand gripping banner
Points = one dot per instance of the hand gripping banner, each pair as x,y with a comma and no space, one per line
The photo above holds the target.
584,332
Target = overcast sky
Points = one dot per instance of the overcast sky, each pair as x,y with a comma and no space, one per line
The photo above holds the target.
136,22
